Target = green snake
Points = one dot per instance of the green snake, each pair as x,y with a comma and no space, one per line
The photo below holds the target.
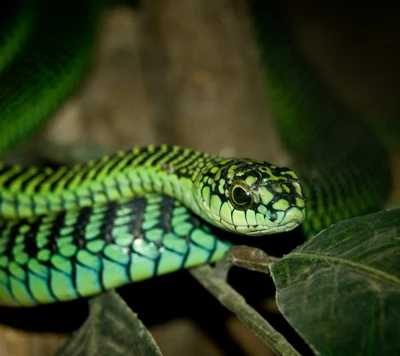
74,232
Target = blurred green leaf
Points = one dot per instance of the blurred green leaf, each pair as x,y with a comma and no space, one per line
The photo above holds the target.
341,290
111,329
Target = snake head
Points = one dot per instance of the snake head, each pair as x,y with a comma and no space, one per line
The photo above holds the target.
250,197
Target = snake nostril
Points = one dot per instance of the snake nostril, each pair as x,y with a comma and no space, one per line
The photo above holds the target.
273,217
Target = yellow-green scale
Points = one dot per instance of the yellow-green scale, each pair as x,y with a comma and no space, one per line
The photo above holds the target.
125,175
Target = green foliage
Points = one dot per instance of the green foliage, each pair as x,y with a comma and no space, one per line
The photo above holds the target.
341,290
111,329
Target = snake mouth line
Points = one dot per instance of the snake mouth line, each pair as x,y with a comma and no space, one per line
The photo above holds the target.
254,230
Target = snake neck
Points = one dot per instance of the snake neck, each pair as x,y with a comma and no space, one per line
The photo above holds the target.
168,170
236,194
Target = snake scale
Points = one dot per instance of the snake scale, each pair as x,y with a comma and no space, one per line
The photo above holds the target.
68,233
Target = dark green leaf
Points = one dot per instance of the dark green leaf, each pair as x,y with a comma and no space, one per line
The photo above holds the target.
341,290
112,329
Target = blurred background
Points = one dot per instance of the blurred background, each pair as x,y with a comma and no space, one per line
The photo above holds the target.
187,72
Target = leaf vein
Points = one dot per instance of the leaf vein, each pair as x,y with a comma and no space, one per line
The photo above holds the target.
370,270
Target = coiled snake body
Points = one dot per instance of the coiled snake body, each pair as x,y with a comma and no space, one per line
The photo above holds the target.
70,233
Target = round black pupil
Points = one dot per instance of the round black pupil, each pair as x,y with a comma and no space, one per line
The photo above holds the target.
240,196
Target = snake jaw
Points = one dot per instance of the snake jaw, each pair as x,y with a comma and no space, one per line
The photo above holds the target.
293,218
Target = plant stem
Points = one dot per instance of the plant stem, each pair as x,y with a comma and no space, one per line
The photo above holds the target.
233,301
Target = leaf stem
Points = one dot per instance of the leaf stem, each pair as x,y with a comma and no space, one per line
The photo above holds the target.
233,301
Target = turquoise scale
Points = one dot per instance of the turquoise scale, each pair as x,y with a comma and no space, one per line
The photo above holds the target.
114,250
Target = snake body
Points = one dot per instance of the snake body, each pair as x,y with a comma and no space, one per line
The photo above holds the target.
343,168
239,195
77,254
74,232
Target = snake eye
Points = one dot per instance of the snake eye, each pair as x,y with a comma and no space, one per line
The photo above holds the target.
241,197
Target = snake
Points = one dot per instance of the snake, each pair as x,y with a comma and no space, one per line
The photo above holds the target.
74,232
